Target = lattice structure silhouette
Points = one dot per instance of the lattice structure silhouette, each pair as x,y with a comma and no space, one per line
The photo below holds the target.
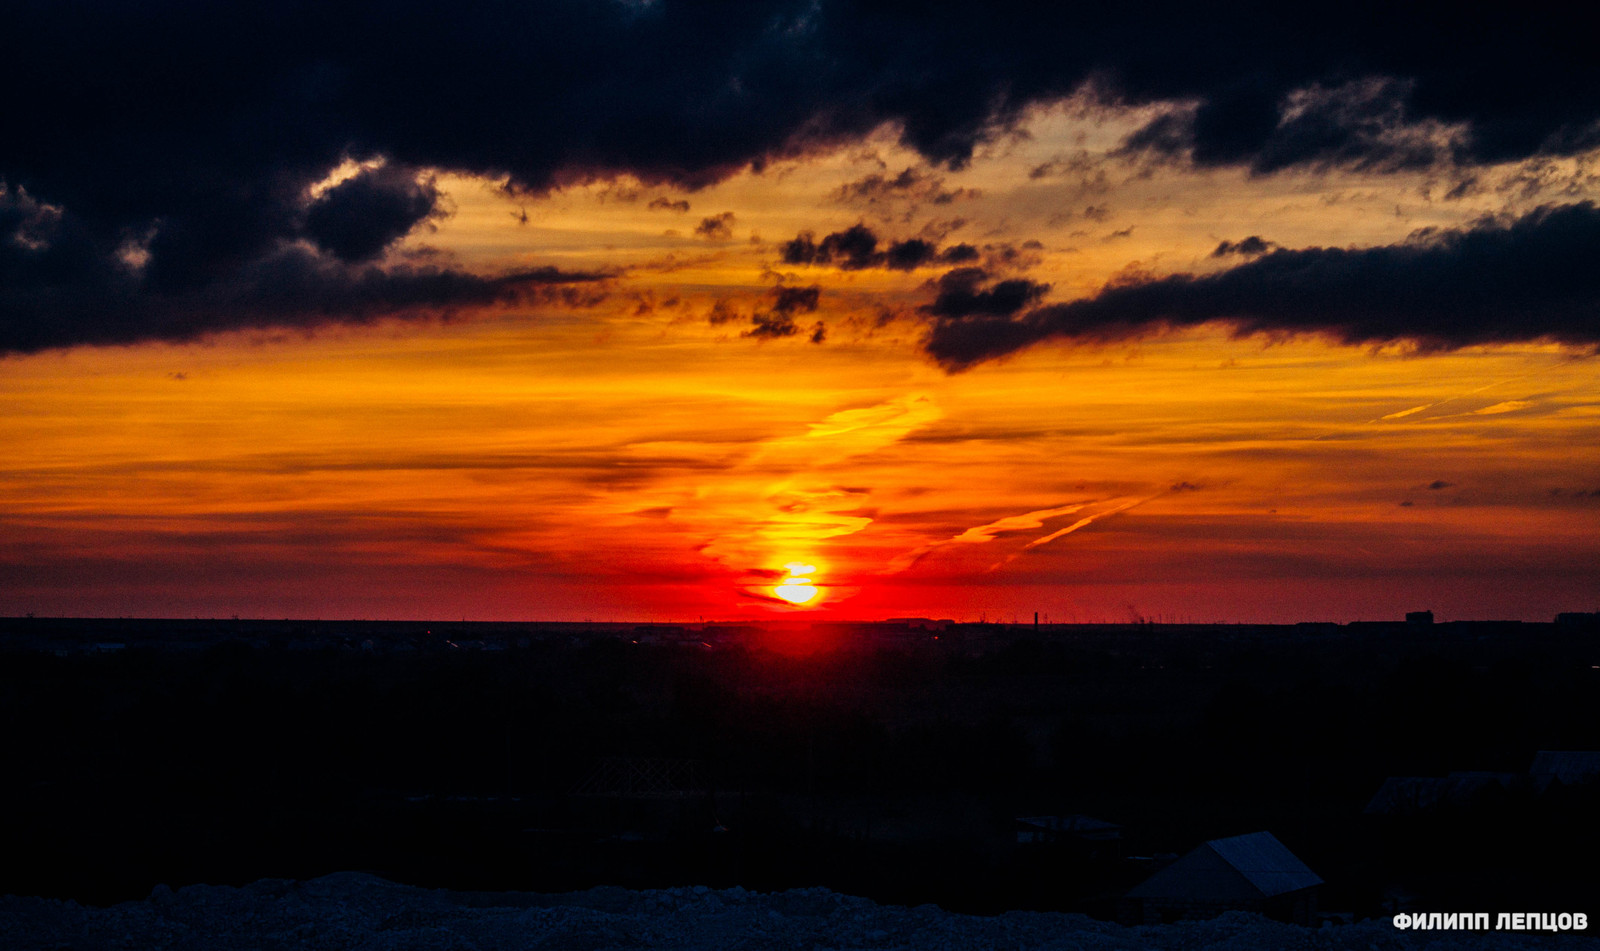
637,777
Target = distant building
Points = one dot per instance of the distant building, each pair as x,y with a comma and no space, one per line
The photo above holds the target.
1419,617
1411,795
1568,767
1084,834
1316,627
1578,620
921,623
1252,872
1042,829
639,777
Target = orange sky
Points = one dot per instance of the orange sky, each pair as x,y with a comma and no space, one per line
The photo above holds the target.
628,451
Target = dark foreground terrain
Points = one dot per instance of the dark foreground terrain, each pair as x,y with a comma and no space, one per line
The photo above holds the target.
885,761
360,912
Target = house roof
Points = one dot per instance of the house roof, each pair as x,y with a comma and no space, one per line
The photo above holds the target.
1242,867
1266,862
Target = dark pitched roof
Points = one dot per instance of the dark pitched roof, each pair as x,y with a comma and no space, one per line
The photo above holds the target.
1266,862
1242,867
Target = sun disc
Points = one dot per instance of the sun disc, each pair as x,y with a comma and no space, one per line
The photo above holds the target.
796,590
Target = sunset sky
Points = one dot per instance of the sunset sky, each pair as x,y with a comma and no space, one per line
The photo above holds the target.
635,309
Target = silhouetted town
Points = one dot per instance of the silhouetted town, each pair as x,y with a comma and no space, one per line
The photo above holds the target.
1140,772
64,636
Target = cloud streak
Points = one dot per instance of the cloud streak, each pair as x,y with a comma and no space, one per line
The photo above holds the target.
988,532
1085,522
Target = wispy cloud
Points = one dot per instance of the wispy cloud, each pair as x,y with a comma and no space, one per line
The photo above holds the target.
1404,413
1015,523
1027,521
1447,400
1088,520
1509,406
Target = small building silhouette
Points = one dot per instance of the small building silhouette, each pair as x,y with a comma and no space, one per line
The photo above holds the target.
1413,795
1568,767
1252,872
1072,838
1054,830
1578,621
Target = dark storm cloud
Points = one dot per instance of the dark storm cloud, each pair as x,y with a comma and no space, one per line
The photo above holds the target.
254,262
193,132
962,294
790,300
787,304
771,326
1246,247
1365,123
358,218
61,285
716,227
852,249
910,255
856,248
911,185
877,188
1533,277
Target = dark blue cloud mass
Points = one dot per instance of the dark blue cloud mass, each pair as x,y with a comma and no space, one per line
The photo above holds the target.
172,145
1534,277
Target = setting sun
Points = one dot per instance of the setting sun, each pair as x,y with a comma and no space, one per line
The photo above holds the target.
796,589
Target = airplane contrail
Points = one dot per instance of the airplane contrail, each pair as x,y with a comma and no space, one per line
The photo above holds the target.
1449,399
1087,520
